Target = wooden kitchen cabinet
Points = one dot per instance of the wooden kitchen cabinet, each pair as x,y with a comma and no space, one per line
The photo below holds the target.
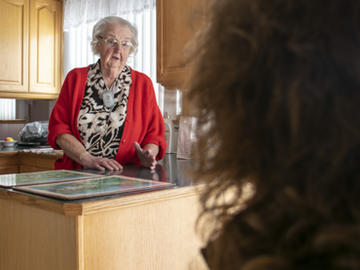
177,23
14,33
45,29
19,162
9,162
30,49
36,162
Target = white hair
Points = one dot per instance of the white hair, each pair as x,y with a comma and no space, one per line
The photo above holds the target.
100,27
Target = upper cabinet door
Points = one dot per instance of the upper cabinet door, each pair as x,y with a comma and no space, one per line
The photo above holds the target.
14,33
45,29
177,23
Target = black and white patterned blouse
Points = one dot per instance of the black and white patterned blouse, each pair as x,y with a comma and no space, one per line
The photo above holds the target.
101,128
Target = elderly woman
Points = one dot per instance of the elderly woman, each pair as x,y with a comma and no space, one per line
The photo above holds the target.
106,114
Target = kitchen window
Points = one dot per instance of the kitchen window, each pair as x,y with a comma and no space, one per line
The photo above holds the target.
7,109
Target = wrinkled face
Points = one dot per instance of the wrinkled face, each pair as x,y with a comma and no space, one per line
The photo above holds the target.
115,47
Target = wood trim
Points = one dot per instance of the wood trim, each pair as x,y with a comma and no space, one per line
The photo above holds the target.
36,201
18,121
26,95
80,260
92,207
136,199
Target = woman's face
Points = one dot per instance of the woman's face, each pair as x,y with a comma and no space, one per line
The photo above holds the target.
112,48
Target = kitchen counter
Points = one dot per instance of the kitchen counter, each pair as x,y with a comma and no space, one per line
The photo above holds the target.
151,230
38,149
169,169
27,159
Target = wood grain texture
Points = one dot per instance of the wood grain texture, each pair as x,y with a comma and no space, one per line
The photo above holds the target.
16,162
153,236
154,230
9,162
177,23
80,264
33,201
137,200
14,32
104,205
45,29
31,48
33,238
33,162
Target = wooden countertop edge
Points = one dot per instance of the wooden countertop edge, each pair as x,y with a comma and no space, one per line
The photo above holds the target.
30,153
139,199
28,199
91,207
9,153
23,153
42,155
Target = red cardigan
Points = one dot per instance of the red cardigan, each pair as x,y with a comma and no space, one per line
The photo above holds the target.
143,123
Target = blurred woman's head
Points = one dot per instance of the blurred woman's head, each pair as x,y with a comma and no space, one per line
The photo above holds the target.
279,81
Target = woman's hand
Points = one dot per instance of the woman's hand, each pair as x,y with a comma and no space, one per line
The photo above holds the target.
147,155
90,162
76,151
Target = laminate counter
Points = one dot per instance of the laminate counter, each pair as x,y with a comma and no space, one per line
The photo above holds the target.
151,230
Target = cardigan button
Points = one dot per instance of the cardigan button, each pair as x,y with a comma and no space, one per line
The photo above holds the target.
123,141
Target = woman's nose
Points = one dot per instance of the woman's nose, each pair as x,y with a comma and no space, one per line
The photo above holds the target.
117,48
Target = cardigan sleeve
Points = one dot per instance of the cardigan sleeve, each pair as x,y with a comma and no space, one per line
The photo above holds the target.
155,133
62,116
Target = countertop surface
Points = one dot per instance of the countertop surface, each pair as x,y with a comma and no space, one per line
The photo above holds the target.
38,149
170,169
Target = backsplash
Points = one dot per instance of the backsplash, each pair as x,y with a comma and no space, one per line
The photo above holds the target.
30,110
10,130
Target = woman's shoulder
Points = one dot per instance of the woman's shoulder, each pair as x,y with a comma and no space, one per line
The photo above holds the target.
75,76
142,84
78,71
137,75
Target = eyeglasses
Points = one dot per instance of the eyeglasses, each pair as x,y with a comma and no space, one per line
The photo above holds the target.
112,42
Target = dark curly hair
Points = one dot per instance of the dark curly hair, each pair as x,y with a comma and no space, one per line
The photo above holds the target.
277,87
